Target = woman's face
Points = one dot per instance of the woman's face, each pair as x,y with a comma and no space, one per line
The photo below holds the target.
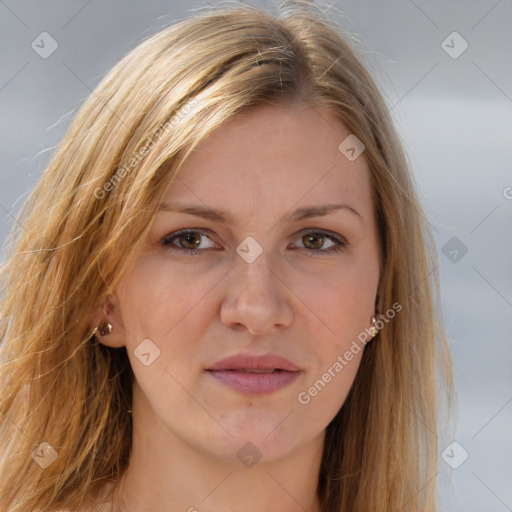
280,258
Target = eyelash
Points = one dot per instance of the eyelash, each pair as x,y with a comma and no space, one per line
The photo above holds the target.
340,244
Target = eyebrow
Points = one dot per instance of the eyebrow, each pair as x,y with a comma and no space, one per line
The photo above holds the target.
224,217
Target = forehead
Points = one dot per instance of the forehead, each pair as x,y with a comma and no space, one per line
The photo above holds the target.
270,156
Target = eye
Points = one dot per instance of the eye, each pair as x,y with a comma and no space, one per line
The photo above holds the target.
321,242
187,241
190,241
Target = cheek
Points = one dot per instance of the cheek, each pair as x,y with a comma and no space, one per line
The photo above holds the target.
329,383
342,301
172,308
166,307
157,300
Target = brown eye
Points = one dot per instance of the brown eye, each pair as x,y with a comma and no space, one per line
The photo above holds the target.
313,240
188,241
318,243
191,240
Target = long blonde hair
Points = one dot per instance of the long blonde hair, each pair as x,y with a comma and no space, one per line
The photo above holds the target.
87,217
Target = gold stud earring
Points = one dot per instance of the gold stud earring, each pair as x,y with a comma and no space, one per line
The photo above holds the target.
103,329
373,330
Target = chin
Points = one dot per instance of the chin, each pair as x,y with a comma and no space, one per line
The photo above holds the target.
269,438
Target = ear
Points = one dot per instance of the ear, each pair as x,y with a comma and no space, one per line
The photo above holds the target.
107,311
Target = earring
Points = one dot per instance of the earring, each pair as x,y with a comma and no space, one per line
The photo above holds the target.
104,329
373,330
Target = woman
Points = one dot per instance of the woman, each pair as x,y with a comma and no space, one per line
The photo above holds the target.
221,296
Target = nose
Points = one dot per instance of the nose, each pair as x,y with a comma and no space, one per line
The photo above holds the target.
256,298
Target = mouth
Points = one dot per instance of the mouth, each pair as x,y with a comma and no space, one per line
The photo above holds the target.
252,370
254,375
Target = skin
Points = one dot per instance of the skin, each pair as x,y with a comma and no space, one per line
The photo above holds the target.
295,300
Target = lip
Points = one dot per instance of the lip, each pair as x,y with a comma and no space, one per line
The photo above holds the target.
234,372
250,362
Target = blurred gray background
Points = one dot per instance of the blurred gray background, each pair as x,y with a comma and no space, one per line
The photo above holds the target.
453,109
